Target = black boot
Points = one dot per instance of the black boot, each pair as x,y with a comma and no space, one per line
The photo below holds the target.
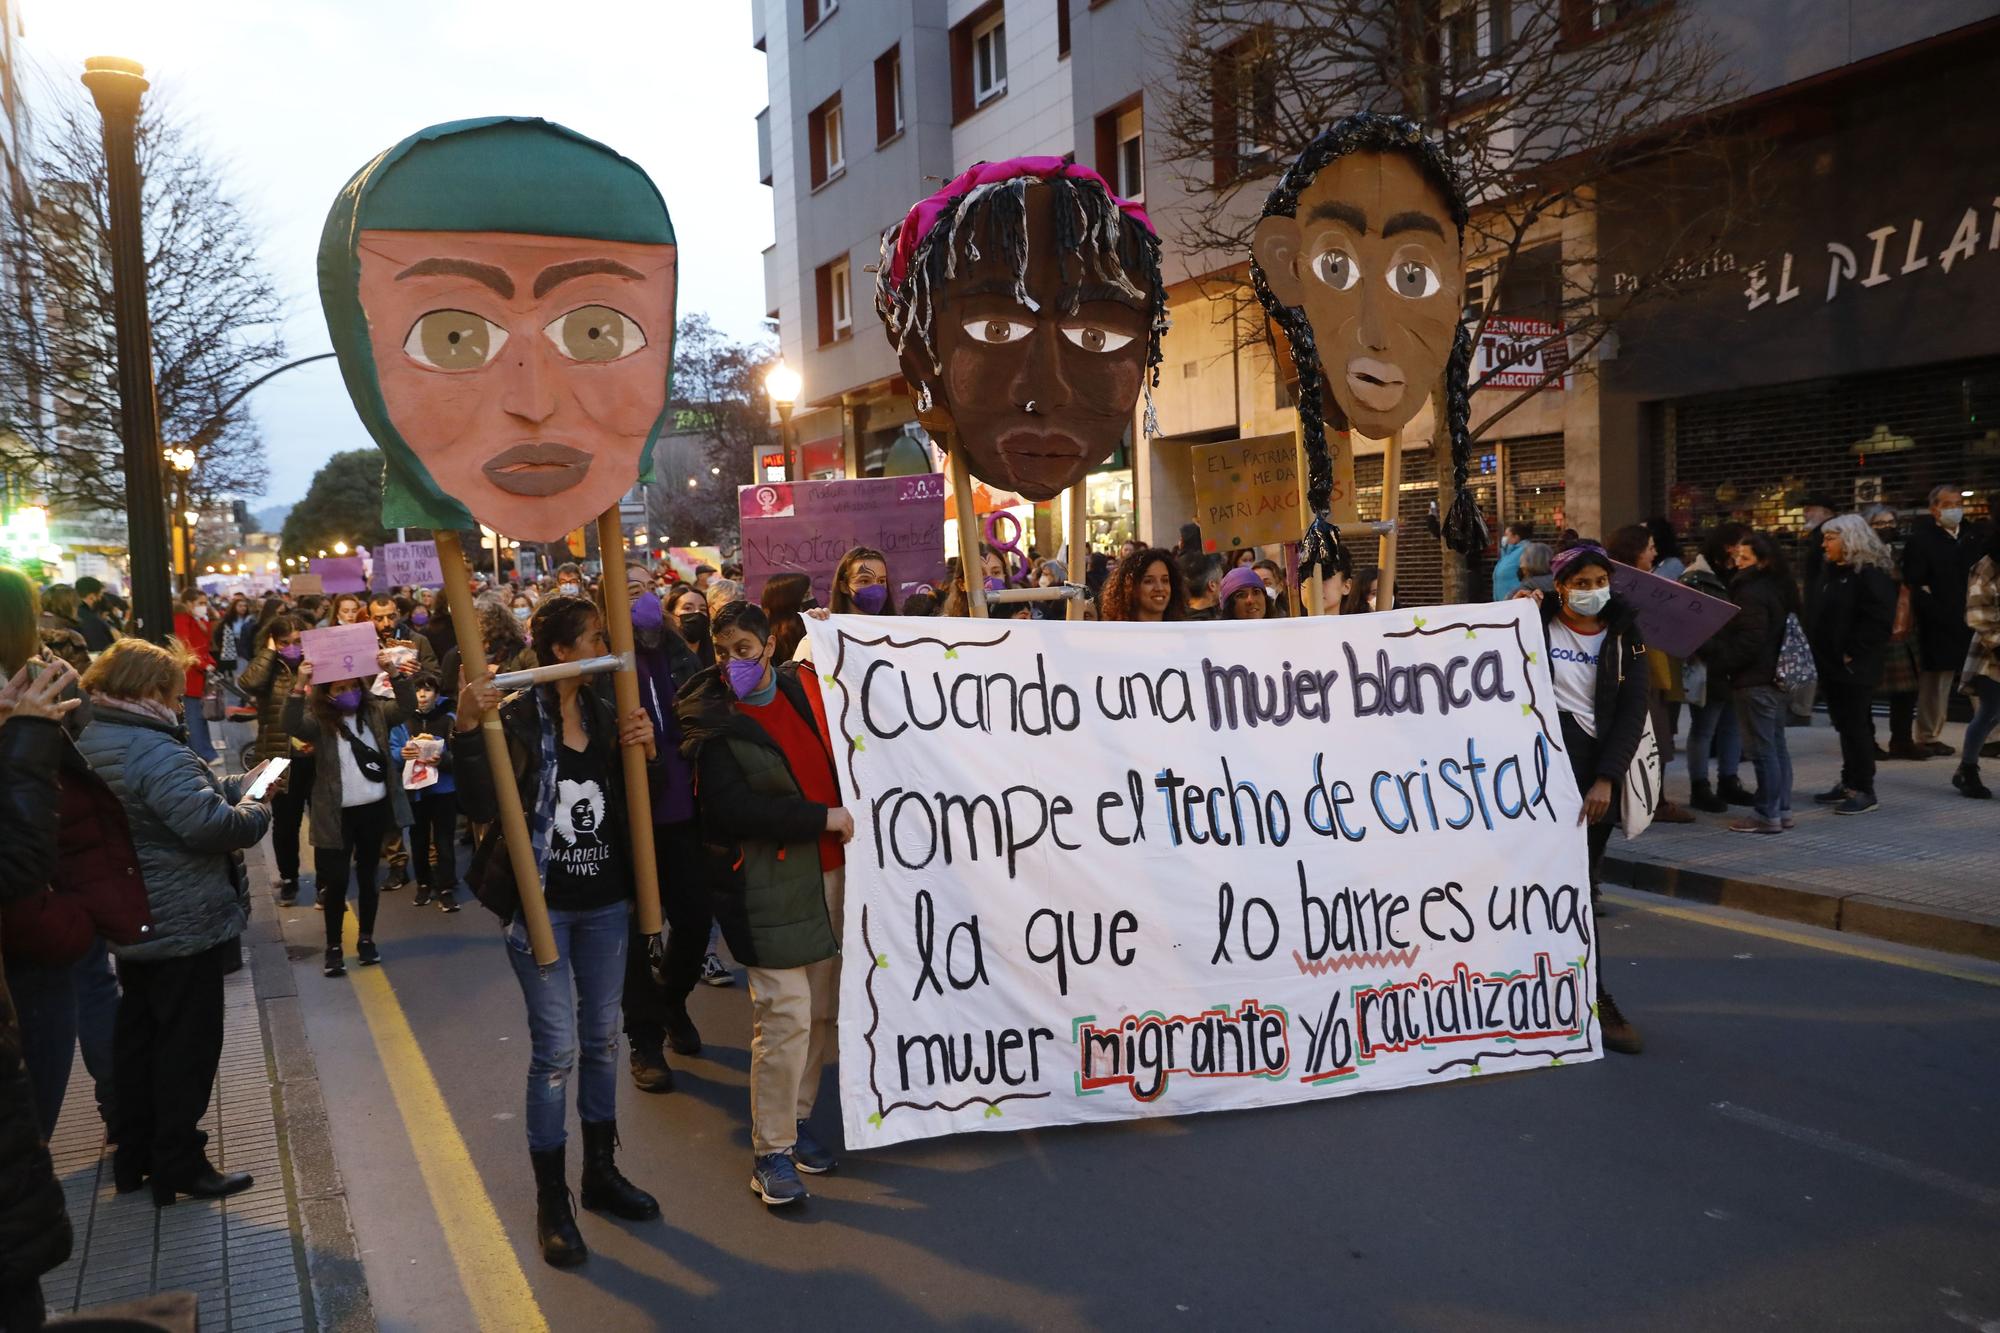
1702,797
555,1212
1732,791
605,1188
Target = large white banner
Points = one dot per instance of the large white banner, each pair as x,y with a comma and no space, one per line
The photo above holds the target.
1105,871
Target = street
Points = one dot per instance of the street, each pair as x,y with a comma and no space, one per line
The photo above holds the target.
1806,1143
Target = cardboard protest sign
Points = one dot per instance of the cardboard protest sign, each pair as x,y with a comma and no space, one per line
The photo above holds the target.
340,573
341,652
808,525
1110,871
1673,617
411,565
299,585
685,561
1246,492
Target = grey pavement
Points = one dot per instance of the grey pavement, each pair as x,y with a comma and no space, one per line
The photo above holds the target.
1921,869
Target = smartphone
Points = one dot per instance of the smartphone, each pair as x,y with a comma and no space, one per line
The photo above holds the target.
264,776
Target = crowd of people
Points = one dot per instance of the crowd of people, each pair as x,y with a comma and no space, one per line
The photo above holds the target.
133,846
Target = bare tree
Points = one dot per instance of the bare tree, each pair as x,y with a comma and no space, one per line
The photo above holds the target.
719,400
215,317
1541,103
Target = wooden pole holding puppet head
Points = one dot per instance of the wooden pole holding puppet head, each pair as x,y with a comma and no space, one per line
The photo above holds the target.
1025,303
500,294
1359,259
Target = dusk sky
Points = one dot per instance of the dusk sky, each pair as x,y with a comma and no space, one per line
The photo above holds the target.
291,98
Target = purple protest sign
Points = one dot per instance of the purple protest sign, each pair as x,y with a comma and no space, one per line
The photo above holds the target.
806,526
1673,617
411,565
341,652
340,573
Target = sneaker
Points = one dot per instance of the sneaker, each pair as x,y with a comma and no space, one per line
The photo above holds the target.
319,899
649,1068
775,1179
1785,821
1968,784
715,974
336,966
1858,803
1752,824
288,893
365,950
1940,748
1619,1034
1833,795
810,1155
447,900
423,895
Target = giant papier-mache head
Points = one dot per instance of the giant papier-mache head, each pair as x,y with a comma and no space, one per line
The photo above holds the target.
1025,303
500,293
1359,258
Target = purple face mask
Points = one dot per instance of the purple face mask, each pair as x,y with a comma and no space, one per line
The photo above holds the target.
871,599
346,699
420,617
744,675
292,653
646,612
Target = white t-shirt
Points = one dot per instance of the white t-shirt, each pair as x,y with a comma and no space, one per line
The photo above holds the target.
1573,663
356,789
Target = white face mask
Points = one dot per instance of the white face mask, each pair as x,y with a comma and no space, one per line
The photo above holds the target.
1952,517
567,589
1589,601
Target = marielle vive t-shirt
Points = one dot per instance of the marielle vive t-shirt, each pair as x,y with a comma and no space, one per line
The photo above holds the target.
806,752
586,866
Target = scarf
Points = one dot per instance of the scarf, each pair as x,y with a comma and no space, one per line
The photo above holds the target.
542,819
150,709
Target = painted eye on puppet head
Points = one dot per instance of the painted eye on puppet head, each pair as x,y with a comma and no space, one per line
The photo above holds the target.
1093,338
454,340
595,333
1413,278
995,331
1337,269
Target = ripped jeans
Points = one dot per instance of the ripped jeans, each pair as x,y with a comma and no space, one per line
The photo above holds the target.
572,1017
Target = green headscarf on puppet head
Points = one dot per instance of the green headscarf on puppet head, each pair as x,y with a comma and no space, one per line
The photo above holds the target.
528,221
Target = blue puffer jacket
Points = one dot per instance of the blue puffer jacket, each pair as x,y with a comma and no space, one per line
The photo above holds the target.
187,827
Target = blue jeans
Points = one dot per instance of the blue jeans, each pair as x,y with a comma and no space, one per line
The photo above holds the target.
197,726
1714,724
572,1017
1984,714
1761,710
60,1008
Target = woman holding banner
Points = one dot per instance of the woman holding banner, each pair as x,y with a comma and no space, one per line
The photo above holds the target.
1243,596
861,584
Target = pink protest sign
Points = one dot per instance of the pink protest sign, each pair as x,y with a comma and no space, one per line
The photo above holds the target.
341,652
1673,617
340,573
808,525
411,565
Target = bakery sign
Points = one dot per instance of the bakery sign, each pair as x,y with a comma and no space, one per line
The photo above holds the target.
1897,250
1520,354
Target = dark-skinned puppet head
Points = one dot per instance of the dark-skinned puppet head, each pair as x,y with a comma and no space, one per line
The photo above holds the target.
1025,302
501,296
1359,258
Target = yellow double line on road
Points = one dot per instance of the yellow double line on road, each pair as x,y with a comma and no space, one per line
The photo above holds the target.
487,1269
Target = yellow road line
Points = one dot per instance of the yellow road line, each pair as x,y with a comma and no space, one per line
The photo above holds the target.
487,1268
1829,942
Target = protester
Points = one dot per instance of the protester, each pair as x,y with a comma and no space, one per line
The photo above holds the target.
1745,652
1848,620
1600,697
687,610
720,593
1146,586
1201,572
191,628
1634,545
433,809
98,634
1514,539
1243,596
1361,595
1899,660
569,580
502,638
357,793
919,603
1812,554
393,630
770,802
703,574
1712,729
1536,560
1667,562
1982,663
562,745
190,830
60,631
346,608
1936,565
784,595
223,638
1273,577
269,679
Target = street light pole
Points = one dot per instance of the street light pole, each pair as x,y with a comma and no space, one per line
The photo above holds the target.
116,85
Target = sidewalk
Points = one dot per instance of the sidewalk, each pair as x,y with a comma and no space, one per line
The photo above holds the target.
1924,869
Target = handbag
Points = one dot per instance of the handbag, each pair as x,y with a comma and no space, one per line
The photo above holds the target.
1694,683
1795,659
366,757
213,709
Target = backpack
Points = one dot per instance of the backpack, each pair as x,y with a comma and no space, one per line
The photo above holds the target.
1795,659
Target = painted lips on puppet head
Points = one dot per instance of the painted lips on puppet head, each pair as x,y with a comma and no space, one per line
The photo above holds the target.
501,296
1025,304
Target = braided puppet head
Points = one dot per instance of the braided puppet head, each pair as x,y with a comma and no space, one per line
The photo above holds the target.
1025,303
1359,258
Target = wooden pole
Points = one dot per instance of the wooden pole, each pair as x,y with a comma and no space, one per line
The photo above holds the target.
625,687
1079,555
513,819
1311,591
968,530
1392,504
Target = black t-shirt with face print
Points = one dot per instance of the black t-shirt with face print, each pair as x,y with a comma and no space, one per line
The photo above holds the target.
586,863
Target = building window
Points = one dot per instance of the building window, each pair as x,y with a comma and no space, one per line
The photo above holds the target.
978,59
1062,28
1531,287
834,293
1476,33
1121,149
1584,19
828,141
888,94
1243,89
818,12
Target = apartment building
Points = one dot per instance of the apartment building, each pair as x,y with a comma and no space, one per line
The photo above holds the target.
1736,398
14,129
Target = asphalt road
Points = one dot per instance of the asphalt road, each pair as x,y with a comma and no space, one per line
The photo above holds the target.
1809,1142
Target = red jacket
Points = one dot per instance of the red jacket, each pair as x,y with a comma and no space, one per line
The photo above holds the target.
96,888
194,633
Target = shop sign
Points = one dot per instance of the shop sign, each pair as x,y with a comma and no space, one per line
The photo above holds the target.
1521,354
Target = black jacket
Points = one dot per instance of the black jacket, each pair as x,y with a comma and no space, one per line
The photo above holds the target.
1848,618
1622,683
34,1224
1936,566
1745,651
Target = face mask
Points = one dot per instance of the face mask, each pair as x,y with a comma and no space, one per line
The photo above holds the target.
347,700
523,612
745,675
292,653
1952,517
567,589
646,612
871,599
694,626
1588,601
420,617
1271,593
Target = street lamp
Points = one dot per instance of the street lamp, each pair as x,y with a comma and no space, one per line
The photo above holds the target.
181,460
340,548
117,85
782,387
